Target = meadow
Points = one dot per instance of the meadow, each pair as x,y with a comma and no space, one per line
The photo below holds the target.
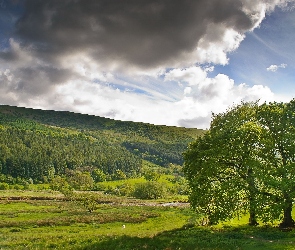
43,219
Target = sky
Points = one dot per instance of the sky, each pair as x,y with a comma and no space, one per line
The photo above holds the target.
164,62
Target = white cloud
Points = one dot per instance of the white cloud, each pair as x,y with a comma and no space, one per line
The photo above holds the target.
203,95
192,75
274,67
181,96
84,79
199,95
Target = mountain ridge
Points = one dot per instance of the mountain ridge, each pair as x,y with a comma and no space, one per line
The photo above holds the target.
58,140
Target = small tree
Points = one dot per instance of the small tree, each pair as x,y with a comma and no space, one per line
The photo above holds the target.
89,201
81,180
59,183
151,175
150,190
4,186
98,175
119,175
245,163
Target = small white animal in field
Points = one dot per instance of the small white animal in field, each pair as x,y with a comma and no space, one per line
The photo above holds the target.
123,226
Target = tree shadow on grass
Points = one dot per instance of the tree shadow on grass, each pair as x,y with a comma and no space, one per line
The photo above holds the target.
243,237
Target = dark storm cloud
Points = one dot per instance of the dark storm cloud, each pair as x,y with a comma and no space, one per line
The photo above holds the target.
28,82
9,56
146,33
43,74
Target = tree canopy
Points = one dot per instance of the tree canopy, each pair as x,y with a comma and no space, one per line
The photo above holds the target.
244,164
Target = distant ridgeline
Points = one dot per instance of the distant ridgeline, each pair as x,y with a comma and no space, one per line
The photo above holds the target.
38,144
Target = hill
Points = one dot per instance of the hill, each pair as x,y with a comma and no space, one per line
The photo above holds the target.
38,144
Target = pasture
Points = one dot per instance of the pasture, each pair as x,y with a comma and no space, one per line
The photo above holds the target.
45,220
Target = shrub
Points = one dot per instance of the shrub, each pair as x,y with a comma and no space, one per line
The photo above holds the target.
98,175
151,175
150,190
125,189
59,183
80,180
119,175
99,187
112,190
17,187
89,201
4,186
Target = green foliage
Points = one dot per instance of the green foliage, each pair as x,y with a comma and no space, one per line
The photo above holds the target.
59,183
38,144
245,163
180,185
151,175
278,119
79,180
4,186
126,189
17,187
150,190
98,175
221,166
119,175
87,200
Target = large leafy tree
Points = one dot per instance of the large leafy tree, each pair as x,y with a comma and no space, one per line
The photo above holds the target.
222,166
278,119
245,163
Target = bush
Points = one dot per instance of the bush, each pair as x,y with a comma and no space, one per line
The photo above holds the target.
59,184
17,187
151,175
125,189
4,186
112,190
80,180
89,201
150,190
99,187
98,175
119,175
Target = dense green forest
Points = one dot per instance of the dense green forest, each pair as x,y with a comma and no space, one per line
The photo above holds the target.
38,144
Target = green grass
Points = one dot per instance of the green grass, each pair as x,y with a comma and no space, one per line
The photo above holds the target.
41,224
4,194
121,182
59,224
133,181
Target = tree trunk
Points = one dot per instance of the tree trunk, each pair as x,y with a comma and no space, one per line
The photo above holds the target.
252,218
252,195
288,220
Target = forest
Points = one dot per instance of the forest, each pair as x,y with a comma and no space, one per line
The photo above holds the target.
36,145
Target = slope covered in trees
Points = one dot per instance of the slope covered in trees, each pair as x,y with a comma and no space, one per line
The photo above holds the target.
39,144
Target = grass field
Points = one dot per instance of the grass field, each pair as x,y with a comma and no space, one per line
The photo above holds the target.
29,223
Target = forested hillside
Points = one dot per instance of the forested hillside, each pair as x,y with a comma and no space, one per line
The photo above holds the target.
38,144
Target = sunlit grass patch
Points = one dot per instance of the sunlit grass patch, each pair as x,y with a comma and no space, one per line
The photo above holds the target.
61,224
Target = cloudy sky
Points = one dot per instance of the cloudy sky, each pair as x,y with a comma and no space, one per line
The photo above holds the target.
169,62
